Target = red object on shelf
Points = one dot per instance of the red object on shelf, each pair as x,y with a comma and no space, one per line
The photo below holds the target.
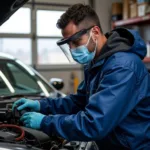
132,21
146,60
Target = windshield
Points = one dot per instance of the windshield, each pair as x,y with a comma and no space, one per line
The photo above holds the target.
17,78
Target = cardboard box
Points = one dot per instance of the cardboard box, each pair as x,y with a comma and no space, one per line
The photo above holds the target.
142,9
125,9
117,8
132,1
133,10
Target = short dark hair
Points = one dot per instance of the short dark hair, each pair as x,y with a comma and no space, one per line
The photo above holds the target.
79,13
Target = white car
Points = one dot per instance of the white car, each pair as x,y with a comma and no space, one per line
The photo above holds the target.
18,79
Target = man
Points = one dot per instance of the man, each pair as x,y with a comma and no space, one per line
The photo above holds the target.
112,104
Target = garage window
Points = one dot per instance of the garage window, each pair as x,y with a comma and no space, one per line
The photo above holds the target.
49,52
18,47
48,34
46,23
15,35
31,35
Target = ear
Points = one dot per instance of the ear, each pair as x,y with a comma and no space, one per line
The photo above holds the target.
96,33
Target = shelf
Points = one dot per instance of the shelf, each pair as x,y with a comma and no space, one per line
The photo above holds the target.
146,60
132,21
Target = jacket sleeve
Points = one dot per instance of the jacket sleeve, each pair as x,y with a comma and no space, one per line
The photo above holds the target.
105,110
68,105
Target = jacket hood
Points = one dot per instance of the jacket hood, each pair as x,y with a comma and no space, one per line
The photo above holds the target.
9,7
124,40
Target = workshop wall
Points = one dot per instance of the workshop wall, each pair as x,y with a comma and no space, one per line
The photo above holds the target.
103,9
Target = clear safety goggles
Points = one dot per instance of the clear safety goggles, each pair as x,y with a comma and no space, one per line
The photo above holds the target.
64,43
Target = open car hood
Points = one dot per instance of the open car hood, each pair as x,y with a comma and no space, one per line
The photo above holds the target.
8,7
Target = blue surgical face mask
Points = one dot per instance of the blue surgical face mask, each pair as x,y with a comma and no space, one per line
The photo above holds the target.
81,53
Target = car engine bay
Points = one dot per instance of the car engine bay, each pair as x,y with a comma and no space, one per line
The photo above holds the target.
13,132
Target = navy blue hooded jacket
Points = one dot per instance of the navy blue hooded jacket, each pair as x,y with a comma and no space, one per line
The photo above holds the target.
112,104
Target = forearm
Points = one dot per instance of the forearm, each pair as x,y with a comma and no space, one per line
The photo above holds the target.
67,127
76,127
66,105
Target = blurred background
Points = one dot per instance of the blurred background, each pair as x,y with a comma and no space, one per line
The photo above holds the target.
31,34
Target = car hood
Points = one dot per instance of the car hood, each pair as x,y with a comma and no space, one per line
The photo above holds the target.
9,7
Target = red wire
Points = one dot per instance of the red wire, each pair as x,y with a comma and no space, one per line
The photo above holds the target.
14,126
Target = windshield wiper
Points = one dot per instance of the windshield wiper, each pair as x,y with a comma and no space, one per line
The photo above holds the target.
37,94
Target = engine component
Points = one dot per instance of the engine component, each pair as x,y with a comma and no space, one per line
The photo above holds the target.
17,114
72,145
27,136
2,116
13,146
22,133
38,138
8,136
12,117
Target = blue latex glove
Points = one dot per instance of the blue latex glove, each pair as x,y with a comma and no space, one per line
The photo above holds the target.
32,120
27,103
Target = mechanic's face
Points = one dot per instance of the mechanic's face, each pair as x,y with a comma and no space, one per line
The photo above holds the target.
71,29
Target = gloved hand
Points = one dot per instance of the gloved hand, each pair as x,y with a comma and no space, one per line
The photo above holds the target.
32,120
26,103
